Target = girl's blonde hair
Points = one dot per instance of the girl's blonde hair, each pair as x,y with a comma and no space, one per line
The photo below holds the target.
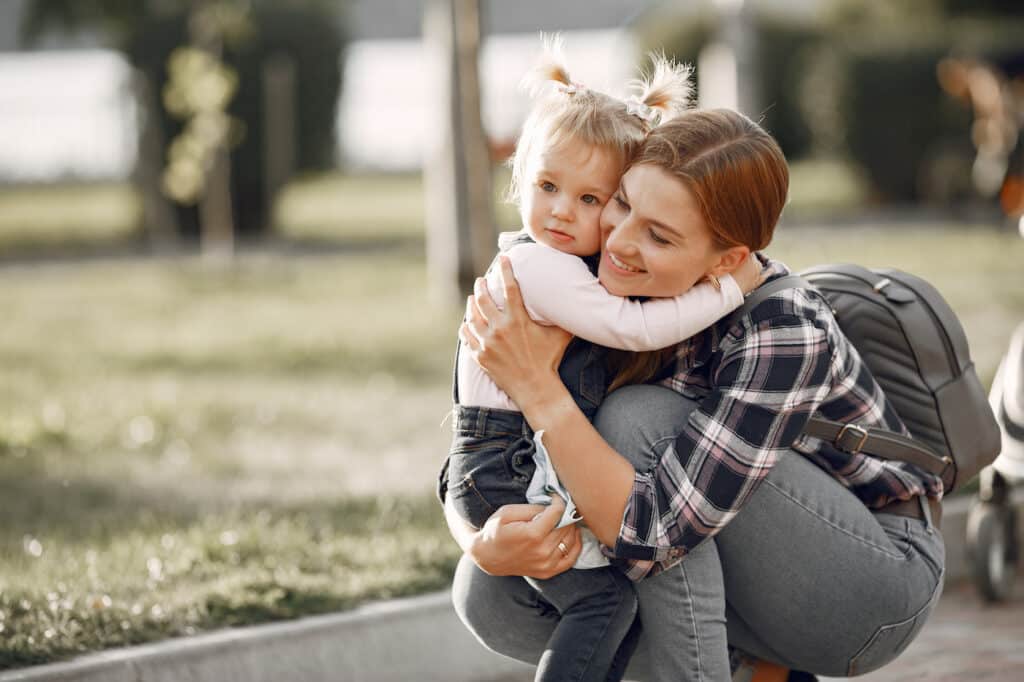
565,110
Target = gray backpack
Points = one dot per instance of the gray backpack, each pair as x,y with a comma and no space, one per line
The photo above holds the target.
917,351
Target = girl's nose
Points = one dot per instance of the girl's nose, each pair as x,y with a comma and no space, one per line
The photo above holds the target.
562,209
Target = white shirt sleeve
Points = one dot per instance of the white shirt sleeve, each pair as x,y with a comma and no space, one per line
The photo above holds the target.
558,289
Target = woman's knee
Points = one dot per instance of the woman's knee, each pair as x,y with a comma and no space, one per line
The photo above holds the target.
636,420
501,612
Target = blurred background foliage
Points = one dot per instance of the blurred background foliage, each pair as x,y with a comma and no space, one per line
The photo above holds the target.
859,82
306,32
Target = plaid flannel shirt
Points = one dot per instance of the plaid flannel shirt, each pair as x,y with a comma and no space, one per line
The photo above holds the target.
757,382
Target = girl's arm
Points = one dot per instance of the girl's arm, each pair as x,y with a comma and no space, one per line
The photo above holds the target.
559,289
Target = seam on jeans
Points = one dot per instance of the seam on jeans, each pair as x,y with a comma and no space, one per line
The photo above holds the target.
878,548
693,623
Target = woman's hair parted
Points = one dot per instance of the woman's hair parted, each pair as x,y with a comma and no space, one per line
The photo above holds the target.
565,111
736,171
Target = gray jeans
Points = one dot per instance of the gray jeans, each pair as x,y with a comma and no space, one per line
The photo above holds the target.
805,575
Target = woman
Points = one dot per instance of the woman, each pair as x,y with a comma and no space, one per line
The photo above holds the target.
787,547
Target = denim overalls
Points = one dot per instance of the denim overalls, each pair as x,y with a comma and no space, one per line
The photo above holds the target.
490,464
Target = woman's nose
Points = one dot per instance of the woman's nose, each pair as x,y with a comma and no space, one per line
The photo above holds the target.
620,236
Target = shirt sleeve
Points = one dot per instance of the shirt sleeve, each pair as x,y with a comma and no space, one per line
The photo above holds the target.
559,289
768,383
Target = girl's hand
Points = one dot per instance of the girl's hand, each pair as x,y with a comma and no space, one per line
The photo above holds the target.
749,274
521,539
518,354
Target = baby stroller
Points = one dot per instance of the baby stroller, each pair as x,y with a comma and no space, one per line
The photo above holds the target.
992,540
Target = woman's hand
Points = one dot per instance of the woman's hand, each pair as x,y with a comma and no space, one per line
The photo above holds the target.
518,354
520,539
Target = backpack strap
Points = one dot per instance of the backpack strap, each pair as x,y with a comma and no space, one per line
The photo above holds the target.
882,443
849,438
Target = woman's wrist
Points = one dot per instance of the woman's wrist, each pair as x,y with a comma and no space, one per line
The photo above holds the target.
548,405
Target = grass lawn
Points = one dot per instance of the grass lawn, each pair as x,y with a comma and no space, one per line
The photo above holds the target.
183,448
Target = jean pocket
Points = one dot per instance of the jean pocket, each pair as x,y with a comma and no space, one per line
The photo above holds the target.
889,641
481,481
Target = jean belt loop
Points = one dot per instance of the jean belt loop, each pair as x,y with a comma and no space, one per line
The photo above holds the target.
481,420
926,512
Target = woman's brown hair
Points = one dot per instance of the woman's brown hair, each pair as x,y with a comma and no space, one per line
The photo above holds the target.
739,178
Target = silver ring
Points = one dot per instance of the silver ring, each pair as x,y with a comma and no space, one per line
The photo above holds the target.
563,549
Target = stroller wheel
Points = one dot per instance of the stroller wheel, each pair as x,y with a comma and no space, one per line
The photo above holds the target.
991,548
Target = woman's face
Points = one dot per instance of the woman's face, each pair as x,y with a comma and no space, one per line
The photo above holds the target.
656,242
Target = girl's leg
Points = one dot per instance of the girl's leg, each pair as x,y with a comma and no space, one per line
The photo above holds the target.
597,608
508,616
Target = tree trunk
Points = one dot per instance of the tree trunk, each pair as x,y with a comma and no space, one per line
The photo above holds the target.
457,171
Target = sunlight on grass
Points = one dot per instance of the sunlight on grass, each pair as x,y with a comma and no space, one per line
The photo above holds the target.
67,215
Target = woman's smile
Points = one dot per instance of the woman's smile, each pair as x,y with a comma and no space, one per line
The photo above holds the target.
620,265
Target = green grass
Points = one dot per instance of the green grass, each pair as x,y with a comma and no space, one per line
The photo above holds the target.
183,448
328,207
67,216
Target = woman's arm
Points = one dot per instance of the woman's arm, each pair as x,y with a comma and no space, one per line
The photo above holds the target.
518,539
599,478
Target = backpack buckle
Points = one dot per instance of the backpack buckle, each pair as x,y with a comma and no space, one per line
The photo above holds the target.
851,438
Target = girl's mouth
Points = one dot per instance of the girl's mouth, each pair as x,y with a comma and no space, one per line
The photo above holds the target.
560,236
622,266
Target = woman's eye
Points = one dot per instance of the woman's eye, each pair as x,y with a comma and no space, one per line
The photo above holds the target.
590,199
621,203
547,186
658,239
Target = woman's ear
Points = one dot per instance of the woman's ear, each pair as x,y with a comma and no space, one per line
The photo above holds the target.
729,260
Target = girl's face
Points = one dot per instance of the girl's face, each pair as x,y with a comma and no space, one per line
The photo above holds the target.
656,240
563,193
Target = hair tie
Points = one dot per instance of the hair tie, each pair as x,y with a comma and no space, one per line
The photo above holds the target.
642,111
572,88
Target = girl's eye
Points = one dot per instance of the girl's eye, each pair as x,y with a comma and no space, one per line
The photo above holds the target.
590,199
658,239
547,186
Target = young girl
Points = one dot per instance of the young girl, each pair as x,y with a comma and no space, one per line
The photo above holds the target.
574,146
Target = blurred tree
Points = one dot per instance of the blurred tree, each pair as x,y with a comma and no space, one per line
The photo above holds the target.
457,173
281,64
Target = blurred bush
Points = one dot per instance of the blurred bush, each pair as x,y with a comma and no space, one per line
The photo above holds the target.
860,83
306,32
310,36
